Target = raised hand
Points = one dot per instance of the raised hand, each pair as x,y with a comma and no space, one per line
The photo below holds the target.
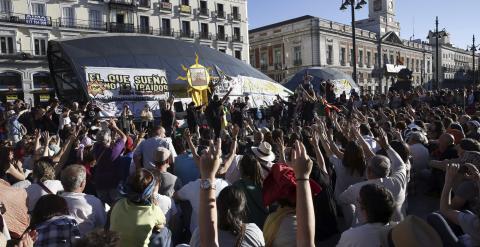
451,172
235,131
210,160
383,139
301,162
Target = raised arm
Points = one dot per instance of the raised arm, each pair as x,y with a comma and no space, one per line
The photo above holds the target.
302,165
192,148
209,164
445,199
226,95
233,151
318,154
366,148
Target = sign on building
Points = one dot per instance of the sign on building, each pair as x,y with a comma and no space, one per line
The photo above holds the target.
37,20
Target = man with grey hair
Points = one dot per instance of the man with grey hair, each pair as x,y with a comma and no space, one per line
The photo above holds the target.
389,172
420,154
88,210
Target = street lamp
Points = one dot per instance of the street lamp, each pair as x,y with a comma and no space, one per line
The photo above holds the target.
473,48
354,4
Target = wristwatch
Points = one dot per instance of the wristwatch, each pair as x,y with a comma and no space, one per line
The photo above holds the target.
207,184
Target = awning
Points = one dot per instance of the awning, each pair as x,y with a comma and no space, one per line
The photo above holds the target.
394,69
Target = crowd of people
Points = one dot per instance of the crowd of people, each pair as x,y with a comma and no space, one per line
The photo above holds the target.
300,172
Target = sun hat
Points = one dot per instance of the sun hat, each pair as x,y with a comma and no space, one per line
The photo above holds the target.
413,232
162,154
264,152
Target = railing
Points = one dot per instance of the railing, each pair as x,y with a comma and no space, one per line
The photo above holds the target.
278,66
220,14
204,35
166,6
27,19
237,38
81,24
222,37
120,27
203,12
164,32
186,34
185,9
123,2
297,62
24,55
236,17
144,30
263,67
144,3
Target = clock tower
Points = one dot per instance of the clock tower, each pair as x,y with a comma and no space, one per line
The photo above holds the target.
381,17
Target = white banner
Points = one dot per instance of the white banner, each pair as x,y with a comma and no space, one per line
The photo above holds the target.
126,84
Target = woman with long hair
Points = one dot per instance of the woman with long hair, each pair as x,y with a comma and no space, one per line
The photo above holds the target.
233,231
136,216
251,184
11,169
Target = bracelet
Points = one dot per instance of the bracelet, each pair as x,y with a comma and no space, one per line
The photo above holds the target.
302,179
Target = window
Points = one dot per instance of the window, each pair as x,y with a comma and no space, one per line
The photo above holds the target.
238,54
144,24
40,46
391,60
94,19
417,66
223,50
342,56
330,54
277,56
5,6
221,32
186,28
220,11
408,62
263,60
360,58
236,34
369,59
297,54
204,30
166,27
38,9
144,3
428,66
385,58
235,13
185,2
376,58
6,45
68,19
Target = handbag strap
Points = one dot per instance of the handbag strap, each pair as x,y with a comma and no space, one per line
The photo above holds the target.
45,188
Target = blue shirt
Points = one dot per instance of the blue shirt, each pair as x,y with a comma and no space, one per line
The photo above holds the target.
185,168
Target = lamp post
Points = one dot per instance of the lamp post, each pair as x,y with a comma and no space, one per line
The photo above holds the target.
473,48
354,4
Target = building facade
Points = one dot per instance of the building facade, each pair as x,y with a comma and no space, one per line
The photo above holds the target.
26,27
282,49
454,63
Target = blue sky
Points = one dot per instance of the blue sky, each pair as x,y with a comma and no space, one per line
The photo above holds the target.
460,18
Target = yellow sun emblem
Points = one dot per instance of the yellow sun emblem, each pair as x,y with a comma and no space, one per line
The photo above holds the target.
198,78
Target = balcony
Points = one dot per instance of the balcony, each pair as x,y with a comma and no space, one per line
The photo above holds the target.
80,24
237,39
220,14
278,66
164,32
144,3
144,30
123,2
36,20
165,7
185,9
221,37
203,13
205,36
22,55
186,35
236,17
297,62
120,27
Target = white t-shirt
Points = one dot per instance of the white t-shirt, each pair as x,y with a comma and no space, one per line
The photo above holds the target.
253,237
35,191
233,172
191,192
167,205
88,211
365,236
420,156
